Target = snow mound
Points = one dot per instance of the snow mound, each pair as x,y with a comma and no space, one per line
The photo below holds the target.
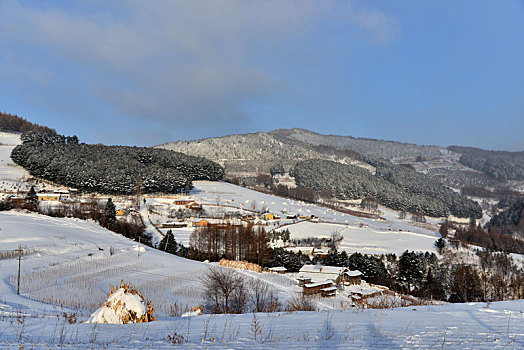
123,305
197,311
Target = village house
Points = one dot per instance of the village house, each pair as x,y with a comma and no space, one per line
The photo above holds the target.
268,216
333,273
316,287
194,205
322,253
63,192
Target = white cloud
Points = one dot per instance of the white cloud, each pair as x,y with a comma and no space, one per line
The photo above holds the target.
178,62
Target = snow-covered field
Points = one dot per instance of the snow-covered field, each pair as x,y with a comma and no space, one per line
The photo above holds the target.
366,240
371,236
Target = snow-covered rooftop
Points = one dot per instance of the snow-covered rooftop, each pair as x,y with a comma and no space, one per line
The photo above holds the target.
317,284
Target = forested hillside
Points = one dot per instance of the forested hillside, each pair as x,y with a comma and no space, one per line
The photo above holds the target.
393,186
110,169
257,152
510,220
367,147
500,165
14,123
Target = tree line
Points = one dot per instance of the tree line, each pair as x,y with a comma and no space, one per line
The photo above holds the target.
232,242
110,169
14,123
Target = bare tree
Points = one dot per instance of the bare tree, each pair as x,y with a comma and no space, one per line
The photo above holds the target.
224,291
259,296
335,240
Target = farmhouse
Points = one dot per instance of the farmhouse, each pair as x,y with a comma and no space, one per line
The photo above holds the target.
333,273
316,287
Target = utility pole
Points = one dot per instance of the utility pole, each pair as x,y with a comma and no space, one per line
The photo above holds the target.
167,240
19,261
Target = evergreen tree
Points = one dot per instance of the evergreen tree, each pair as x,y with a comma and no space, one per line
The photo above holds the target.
109,217
444,229
440,244
31,200
432,288
410,270
168,243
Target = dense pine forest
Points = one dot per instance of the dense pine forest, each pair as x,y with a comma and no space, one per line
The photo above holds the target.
510,220
394,186
110,169
14,123
497,164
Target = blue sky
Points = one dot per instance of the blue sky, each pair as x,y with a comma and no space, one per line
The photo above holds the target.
149,72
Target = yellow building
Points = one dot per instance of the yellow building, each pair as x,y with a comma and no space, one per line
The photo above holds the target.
268,216
120,212
48,197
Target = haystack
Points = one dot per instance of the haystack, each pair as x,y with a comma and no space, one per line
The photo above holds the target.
123,305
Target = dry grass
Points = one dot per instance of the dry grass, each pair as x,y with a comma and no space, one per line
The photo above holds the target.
75,285
129,316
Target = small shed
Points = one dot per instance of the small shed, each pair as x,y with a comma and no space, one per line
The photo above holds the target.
172,224
184,201
278,269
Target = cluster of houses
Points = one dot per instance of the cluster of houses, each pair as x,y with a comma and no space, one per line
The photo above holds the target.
315,279
323,280
59,194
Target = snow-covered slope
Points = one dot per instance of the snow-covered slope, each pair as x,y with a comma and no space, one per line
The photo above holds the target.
73,262
10,173
364,235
